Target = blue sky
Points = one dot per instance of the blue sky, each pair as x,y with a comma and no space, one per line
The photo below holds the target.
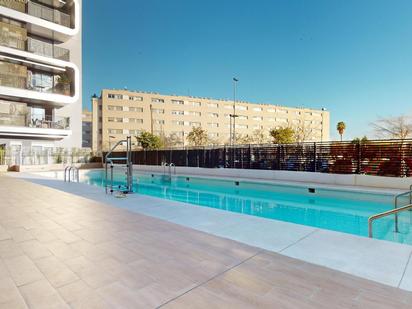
353,57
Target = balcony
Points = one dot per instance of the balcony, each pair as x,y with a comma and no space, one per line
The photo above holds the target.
49,14
16,37
46,49
19,76
11,120
57,20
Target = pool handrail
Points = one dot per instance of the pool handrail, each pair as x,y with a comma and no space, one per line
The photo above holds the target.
395,211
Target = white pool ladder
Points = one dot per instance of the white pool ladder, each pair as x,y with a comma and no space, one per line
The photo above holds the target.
109,161
71,174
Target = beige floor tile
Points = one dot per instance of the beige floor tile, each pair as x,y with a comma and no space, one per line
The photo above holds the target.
41,294
58,273
23,270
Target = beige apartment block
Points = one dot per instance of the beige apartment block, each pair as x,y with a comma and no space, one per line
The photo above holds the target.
119,113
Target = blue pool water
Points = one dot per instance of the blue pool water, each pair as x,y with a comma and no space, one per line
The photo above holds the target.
343,211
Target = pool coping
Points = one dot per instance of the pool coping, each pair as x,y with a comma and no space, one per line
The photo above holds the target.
377,260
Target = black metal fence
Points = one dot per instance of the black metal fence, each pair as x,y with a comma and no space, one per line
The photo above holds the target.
379,157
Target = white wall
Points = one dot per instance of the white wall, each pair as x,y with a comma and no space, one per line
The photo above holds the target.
307,177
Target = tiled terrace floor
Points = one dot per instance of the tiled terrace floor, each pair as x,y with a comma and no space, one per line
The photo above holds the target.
59,250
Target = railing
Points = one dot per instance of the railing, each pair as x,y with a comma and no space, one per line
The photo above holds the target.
49,14
391,158
46,49
384,214
62,123
20,82
17,5
12,42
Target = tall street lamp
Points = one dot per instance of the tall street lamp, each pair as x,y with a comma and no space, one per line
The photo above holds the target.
110,142
233,138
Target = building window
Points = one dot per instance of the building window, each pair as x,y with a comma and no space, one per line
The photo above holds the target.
258,118
157,100
159,121
195,124
158,111
213,105
178,102
271,110
115,96
178,112
257,109
241,107
241,126
135,98
115,119
178,123
115,131
212,135
214,115
134,132
135,120
195,113
114,108
195,103
213,124
242,117
228,106
136,109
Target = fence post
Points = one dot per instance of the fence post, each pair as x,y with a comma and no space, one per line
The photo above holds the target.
250,156
224,156
315,157
359,151
279,154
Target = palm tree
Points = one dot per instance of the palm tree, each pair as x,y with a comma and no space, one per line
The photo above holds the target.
341,127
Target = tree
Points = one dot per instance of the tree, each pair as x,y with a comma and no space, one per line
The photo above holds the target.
362,140
341,127
285,135
258,136
393,127
198,137
149,141
173,140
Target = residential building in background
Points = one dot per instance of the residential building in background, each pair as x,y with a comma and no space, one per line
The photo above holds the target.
119,113
87,129
40,75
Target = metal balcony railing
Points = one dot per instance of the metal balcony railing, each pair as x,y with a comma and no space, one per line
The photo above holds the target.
44,12
24,120
46,49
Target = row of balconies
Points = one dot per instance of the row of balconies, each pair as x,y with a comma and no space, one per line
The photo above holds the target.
41,11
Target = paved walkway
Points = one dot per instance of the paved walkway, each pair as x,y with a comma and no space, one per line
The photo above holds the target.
60,250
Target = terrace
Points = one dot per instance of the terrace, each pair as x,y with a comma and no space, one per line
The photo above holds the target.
59,249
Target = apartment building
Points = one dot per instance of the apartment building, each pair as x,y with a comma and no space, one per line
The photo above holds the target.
118,113
40,75
86,129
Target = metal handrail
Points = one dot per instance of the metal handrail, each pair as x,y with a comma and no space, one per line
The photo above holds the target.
396,204
65,173
170,169
384,214
129,165
70,172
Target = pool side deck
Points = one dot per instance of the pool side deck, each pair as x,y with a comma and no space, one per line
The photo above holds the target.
59,250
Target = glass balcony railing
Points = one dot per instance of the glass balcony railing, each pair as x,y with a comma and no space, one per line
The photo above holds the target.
25,120
46,49
40,11
49,14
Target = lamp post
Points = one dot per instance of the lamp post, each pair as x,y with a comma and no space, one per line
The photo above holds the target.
110,144
233,138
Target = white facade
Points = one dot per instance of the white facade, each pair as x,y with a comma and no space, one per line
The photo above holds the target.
40,74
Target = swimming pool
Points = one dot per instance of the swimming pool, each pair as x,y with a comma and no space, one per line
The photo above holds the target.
338,210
